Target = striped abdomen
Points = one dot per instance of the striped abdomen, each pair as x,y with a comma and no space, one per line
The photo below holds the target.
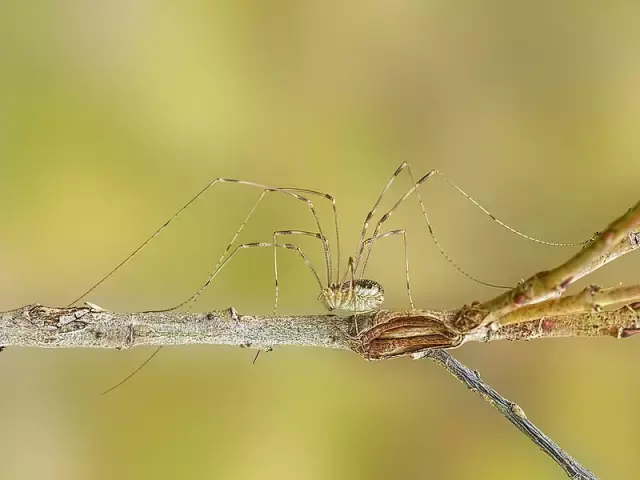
365,295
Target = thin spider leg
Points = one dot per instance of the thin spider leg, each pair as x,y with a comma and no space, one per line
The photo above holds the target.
233,239
463,193
142,365
289,191
386,217
372,212
335,219
406,257
242,225
431,232
215,273
191,300
266,350
413,182
504,225
275,255
265,188
351,273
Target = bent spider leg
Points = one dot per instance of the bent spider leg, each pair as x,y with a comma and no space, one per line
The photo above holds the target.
191,300
406,257
265,188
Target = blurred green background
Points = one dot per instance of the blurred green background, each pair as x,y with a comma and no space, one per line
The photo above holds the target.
112,114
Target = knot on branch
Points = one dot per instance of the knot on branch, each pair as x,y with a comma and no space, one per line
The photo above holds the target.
469,317
395,334
65,320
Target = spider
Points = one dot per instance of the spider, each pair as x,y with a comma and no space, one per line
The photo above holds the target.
351,294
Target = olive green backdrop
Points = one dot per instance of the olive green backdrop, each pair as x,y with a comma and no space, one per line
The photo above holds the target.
112,114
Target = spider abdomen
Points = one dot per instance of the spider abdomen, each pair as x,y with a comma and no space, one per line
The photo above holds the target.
363,296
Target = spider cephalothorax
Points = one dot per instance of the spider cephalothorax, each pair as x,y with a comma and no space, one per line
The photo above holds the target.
358,297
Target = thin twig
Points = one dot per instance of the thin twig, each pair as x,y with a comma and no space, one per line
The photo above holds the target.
553,283
619,238
623,322
591,299
511,411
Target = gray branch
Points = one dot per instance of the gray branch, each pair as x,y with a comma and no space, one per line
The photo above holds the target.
511,411
93,327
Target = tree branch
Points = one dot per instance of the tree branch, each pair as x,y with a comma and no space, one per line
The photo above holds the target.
591,299
93,327
620,237
531,310
90,326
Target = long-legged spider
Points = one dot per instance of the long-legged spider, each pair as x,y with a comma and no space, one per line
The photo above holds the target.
352,294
